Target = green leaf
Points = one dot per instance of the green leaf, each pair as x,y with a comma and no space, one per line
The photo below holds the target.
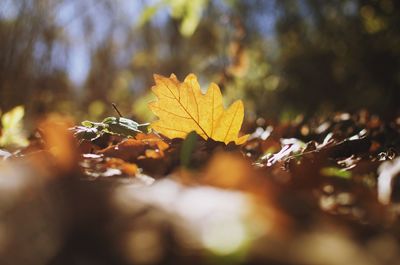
187,148
86,133
335,172
148,14
112,125
188,12
88,124
123,126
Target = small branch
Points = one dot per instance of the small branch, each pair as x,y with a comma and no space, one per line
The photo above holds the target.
116,109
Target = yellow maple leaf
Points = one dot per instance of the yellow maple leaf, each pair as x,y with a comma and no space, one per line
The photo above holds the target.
182,108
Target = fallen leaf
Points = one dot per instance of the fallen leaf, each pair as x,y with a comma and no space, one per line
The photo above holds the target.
12,133
59,141
387,174
149,153
152,140
130,169
183,108
127,150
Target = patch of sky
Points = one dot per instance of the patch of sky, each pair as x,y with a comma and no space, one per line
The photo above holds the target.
8,9
72,17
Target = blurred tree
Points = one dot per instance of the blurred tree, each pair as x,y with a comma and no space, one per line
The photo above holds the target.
29,74
280,56
342,54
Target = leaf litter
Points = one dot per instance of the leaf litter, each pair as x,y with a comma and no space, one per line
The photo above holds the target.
306,187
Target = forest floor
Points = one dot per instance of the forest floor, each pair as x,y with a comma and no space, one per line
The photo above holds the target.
318,191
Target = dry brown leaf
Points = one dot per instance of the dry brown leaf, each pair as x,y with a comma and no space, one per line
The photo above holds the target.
152,140
59,141
153,154
127,168
128,150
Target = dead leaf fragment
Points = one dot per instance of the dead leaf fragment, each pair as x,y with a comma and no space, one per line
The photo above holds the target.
130,169
59,141
153,141
127,150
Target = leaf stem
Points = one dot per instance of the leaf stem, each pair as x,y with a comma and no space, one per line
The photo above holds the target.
116,109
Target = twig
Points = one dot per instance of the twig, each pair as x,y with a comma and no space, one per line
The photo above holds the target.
116,109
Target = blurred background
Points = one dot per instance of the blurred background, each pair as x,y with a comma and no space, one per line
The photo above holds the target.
300,202
282,57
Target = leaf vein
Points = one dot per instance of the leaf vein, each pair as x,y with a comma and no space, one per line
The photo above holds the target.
212,113
230,125
180,103
173,129
172,113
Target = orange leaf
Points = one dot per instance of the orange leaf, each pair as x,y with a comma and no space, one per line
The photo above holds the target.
152,140
127,150
183,108
128,168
